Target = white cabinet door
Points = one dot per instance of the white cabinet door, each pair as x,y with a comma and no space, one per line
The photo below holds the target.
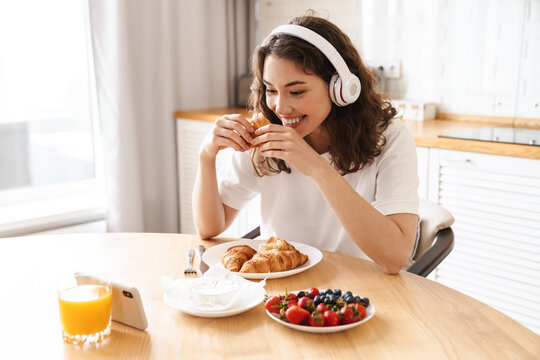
190,134
496,203
422,155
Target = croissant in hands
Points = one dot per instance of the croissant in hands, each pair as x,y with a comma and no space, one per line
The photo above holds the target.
258,120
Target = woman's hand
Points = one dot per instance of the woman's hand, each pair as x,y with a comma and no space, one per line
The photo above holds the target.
232,131
284,143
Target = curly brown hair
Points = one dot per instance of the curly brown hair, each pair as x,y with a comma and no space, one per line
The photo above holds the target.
355,131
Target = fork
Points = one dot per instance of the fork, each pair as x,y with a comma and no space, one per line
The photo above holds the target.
190,269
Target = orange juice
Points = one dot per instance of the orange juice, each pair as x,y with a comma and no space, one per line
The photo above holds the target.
85,309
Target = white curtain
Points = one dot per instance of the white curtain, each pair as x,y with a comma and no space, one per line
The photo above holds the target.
151,58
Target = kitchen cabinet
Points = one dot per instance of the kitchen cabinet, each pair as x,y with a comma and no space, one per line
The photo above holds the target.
496,204
190,135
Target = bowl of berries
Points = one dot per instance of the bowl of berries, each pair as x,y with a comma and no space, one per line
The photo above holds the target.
320,311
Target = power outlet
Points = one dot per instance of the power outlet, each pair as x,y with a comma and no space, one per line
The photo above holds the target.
391,69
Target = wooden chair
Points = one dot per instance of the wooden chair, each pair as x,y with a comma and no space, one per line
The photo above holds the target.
436,238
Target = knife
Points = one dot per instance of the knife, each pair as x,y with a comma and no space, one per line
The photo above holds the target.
202,265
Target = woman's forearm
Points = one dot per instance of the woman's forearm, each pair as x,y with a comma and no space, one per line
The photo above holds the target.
387,242
208,211
211,216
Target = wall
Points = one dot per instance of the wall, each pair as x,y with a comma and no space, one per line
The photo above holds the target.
470,56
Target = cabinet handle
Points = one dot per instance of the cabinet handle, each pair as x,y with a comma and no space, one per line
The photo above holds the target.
456,161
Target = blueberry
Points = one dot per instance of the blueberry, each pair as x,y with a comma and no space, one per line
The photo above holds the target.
346,293
365,302
357,299
301,294
327,291
327,300
349,299
317,300
337,292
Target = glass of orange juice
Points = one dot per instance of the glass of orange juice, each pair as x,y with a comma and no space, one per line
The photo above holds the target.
85,310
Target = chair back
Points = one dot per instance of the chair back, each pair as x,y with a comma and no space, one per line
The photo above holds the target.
432,217
436,238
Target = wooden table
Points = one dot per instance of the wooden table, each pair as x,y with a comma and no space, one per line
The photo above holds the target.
415,318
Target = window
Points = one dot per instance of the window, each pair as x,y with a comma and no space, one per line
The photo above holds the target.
48,137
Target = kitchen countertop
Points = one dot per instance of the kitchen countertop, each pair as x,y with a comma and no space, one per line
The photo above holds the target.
425,132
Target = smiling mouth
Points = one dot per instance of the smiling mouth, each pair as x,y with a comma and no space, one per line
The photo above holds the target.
292,121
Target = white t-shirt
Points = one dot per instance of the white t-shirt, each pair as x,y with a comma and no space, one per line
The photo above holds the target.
293,208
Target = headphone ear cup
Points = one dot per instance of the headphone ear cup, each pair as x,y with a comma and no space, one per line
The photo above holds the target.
351,88
331,88
334,88
343,94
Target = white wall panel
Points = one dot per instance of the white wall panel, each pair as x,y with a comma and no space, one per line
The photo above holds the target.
478,55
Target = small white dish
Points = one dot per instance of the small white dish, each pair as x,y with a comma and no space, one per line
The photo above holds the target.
370,311
213,256
254,299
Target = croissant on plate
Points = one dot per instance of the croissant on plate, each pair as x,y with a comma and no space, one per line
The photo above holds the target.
274,261
236,256
275,243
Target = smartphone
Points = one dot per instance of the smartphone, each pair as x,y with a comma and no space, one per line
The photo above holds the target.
127,306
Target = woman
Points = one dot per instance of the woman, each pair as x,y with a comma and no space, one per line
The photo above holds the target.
340,178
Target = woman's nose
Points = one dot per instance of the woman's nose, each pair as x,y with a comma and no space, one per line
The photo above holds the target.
282,105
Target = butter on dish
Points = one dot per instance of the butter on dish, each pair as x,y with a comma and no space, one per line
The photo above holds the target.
217,290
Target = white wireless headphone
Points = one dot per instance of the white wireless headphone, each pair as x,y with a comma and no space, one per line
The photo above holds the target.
344,86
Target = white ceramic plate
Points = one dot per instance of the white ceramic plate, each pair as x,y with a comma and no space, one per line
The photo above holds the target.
213,256
257,298
370,311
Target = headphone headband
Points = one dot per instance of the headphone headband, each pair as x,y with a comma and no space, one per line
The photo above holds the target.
320,43
345,88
